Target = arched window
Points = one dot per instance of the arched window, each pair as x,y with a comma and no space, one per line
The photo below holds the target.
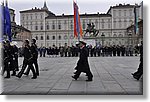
59,37
53,37
114,35
41,37
47,37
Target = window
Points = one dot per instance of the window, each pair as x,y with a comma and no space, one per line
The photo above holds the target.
35,15
36,37
130,11
71,25
36,27
47,26
59,25
41,16
119,12
53,25
59,37
41,27
120,23
102,20
114,13
109,25
125,12
65,22
41,37
27,17
114,35
114,25
53,37
96,23
31,16
125,23
22,17
47,37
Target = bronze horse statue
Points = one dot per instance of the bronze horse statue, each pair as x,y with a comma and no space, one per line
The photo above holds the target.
91,30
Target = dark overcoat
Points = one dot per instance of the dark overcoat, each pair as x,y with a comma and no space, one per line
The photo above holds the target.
82,64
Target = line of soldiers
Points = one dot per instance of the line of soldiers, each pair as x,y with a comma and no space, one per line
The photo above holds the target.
30,54
95,51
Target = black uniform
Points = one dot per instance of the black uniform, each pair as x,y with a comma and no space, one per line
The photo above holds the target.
83,65
34,52
8,60
28,60
139,71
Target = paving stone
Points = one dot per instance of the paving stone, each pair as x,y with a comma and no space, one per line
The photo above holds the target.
112,75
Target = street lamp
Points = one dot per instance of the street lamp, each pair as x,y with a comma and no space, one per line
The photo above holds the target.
102,36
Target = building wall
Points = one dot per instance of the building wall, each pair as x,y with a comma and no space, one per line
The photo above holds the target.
59,30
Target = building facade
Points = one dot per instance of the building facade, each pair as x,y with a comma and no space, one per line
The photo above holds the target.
50,29
19,33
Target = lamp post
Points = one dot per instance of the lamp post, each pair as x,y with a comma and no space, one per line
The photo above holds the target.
102,36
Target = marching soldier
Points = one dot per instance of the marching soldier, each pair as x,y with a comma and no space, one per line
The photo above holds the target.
28,60
83,65
34,52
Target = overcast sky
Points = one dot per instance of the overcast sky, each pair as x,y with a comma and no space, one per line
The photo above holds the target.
66,6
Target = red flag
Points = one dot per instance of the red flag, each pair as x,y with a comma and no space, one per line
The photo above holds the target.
77,23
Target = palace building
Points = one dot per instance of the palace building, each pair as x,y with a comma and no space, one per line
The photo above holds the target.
51,29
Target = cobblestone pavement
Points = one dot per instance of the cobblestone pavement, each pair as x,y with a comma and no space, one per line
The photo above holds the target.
112,75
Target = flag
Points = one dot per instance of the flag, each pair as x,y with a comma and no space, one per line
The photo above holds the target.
135,20
1,22
77,23
7,23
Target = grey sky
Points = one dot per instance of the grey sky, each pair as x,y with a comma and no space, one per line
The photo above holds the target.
66,6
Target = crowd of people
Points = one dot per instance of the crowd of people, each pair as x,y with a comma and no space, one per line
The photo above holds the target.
93,51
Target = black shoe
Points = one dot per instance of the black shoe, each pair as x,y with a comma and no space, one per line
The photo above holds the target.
18,76
13,74
7,77
136,77
37,74
89,80
26,74
74,77
34,77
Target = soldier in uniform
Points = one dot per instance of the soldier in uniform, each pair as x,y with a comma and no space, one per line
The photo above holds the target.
83,65
139,71
34,52
114,50
28,60
8,59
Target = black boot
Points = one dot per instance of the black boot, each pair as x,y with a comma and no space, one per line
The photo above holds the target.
74,77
